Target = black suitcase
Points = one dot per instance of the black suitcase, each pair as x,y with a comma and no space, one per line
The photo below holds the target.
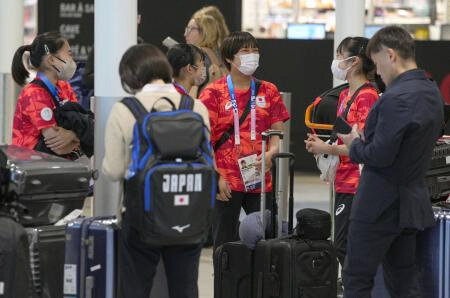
47,260
233,264
233,261
49,187
15,271
291,266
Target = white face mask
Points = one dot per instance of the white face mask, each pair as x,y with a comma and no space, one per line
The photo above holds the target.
339,73
67,71
249,63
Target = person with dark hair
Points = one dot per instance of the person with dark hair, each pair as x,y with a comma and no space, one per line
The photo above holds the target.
353,65
188,67
240,95
146,73
34,118
392,201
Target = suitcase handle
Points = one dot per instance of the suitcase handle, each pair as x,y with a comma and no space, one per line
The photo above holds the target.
265,135
270,133
291,157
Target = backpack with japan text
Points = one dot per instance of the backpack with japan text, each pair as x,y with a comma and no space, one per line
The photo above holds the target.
170,187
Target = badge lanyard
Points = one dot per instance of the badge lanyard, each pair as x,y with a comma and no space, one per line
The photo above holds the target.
237,138
181,87
50,86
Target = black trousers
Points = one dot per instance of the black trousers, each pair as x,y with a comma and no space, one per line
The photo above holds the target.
382,242
342,209
226,215
138,262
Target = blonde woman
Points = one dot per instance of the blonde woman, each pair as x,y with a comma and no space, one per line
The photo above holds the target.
214,12
203,32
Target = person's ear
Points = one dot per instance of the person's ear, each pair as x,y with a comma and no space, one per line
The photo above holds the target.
392,55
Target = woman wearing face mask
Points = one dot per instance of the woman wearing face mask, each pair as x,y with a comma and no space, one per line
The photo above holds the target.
188,67
34,117
353,65
226,100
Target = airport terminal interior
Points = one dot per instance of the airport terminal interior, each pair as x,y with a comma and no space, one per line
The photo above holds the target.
143,178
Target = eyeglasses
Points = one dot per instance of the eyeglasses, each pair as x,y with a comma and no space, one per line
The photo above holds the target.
188,29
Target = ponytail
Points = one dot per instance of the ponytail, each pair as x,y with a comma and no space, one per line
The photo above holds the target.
18,69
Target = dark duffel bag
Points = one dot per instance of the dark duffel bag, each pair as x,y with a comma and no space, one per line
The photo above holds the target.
313,224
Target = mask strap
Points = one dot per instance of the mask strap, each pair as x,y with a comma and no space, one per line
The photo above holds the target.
59,59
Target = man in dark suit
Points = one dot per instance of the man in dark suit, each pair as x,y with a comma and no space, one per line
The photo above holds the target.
392,201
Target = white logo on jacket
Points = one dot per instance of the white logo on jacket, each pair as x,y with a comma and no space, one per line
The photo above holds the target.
46,114
340,209
181,229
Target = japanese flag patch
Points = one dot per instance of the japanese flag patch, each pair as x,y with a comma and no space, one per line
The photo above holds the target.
181,200
261,101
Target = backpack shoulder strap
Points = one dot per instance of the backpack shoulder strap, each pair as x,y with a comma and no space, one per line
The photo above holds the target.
186,103
135,106
352,99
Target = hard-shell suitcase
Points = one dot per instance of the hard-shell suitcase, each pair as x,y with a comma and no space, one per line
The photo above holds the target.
431,251
293,267
47,260
90,268
49,187
15,272
233,261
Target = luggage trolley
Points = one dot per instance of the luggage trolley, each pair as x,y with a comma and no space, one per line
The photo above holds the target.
326,127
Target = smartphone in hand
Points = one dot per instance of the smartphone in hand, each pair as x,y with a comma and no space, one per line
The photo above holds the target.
341,126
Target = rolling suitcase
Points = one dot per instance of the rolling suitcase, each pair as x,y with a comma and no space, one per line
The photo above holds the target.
233,261
47,260
90,266
431,250
446,250
290,266
49,187
15,271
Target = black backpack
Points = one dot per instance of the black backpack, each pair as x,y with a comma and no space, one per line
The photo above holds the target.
170,189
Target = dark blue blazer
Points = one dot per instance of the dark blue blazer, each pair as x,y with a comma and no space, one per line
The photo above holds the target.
400,132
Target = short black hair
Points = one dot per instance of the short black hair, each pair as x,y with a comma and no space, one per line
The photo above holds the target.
396,38
234,42
182,55
356,46
142,64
